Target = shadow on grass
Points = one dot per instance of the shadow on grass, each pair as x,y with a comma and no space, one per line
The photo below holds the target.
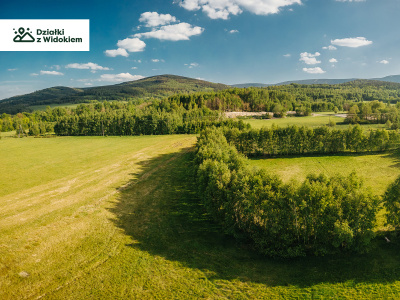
160,210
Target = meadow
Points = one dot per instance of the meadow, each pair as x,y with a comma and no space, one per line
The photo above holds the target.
321,119
377,169
119,218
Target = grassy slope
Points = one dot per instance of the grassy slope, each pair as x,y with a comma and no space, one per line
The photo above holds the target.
123,222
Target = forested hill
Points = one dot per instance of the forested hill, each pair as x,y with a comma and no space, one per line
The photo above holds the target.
391,78
152,87
188,92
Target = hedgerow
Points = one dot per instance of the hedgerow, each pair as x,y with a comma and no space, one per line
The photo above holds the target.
318,216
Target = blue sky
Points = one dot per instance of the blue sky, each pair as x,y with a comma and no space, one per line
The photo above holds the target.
227,41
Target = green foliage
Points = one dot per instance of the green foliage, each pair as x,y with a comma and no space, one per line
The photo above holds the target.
319,216
152,120
301,140
391,201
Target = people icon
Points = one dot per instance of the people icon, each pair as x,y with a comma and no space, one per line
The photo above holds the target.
23,36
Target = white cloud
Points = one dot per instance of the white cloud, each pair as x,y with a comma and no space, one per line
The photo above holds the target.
316,70
34,74
89,65
287,55
309,58
116,52
12,70
120,77
176,32
51,73
190,4
192,65
385,62
333,60
153,19
222,9
351,42
330,47
234,31
88,83
132,44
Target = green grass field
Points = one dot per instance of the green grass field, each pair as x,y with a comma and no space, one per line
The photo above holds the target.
311,121
377,170
118,218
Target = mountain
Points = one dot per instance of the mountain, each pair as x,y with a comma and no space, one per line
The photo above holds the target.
392,78
317,81
151,87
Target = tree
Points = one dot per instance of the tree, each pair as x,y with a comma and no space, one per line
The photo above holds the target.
391,202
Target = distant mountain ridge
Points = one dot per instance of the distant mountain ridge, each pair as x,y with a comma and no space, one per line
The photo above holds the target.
151,87
160,86
391,78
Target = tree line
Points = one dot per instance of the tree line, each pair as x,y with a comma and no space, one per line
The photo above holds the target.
295,140
315,217
117,118
143,122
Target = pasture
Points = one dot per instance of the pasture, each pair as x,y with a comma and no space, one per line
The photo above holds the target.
118,218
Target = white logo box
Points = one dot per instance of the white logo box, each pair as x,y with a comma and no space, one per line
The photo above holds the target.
44,35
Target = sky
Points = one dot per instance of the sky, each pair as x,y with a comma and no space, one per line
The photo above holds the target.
224,41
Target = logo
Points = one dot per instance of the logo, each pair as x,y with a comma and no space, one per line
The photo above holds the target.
44,35
23,36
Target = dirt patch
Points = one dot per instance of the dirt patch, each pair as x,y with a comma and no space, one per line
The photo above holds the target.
235,114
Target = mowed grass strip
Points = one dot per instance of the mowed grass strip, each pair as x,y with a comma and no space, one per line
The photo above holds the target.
135,229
